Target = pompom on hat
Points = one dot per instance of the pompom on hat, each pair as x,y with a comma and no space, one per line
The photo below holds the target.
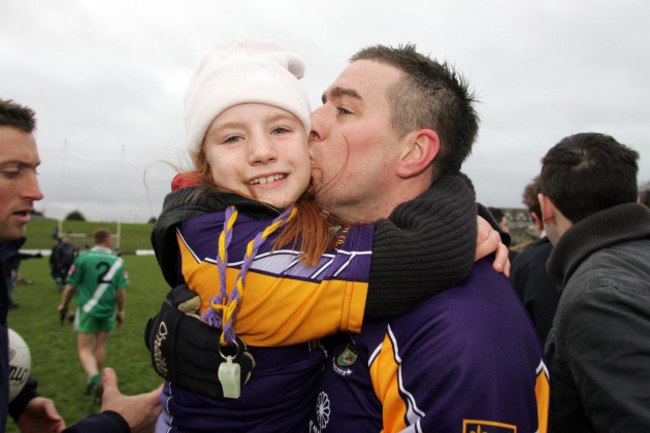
244,71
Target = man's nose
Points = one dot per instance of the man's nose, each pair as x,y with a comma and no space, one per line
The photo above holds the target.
317,132
31,188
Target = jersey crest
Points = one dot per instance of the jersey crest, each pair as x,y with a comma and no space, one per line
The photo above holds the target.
347,357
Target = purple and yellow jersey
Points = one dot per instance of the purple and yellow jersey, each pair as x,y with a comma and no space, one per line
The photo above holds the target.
466,360
283,304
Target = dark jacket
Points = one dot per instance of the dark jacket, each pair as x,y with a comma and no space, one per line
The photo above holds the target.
6,251
534,286
599,348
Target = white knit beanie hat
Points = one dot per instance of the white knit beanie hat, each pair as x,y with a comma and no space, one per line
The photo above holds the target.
243,71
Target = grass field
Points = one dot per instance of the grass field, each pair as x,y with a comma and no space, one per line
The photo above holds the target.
53,347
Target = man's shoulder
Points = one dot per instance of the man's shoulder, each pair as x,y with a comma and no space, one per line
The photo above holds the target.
484,303
480,321
540,250
623,267
95,255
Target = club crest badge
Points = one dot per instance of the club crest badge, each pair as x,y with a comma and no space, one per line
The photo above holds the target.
347,357
342,364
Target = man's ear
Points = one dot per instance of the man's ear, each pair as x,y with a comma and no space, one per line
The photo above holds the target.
537,220
420,149
548,209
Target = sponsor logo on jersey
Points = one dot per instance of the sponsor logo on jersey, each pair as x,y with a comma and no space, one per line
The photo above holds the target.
480,426
340,371
322,413
160,363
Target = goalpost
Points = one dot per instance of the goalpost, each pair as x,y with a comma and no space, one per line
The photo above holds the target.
81,240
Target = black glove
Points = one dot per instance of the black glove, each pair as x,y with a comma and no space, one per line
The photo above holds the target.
186,351
66,315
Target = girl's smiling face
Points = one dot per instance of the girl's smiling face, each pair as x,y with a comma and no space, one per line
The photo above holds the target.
259,151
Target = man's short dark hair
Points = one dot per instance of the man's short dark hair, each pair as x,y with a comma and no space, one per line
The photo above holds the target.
530,196
431,95
100,236
17,116
587,173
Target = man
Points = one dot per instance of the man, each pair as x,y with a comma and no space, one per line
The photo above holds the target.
98,279
598,349
19,190
61,259
528,273
468,359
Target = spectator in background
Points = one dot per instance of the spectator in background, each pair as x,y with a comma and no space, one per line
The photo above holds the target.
500,218
61,259
528,272
11,273
599,347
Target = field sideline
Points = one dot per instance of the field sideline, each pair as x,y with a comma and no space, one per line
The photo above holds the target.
55,364
133,237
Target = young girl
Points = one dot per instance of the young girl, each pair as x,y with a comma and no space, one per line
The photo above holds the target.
269,266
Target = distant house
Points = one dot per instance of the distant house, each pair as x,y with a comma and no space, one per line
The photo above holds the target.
644,193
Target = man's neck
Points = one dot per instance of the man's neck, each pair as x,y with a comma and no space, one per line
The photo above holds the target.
372,211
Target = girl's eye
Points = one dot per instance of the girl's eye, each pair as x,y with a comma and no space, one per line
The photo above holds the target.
279,130
232,139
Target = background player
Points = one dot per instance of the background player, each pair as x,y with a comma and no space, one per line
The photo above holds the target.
98,279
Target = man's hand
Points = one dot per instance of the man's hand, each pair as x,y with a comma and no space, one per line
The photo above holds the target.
489,241
139,411
40,416
186,351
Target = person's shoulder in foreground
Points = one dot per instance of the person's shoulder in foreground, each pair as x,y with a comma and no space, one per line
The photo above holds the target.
465,359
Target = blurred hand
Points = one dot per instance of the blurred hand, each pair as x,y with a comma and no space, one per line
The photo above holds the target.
140,411
40,416
489,241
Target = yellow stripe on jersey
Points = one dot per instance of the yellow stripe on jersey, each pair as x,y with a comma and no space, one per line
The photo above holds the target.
280,311
543,395
385,381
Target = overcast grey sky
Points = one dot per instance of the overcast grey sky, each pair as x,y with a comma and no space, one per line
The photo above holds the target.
106,79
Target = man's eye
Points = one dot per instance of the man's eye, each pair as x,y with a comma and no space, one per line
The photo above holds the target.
342,110
11,172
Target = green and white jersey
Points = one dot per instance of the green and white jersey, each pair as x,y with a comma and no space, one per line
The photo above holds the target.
97,275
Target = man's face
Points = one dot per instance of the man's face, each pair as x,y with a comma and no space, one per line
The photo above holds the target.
18,184
353,146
